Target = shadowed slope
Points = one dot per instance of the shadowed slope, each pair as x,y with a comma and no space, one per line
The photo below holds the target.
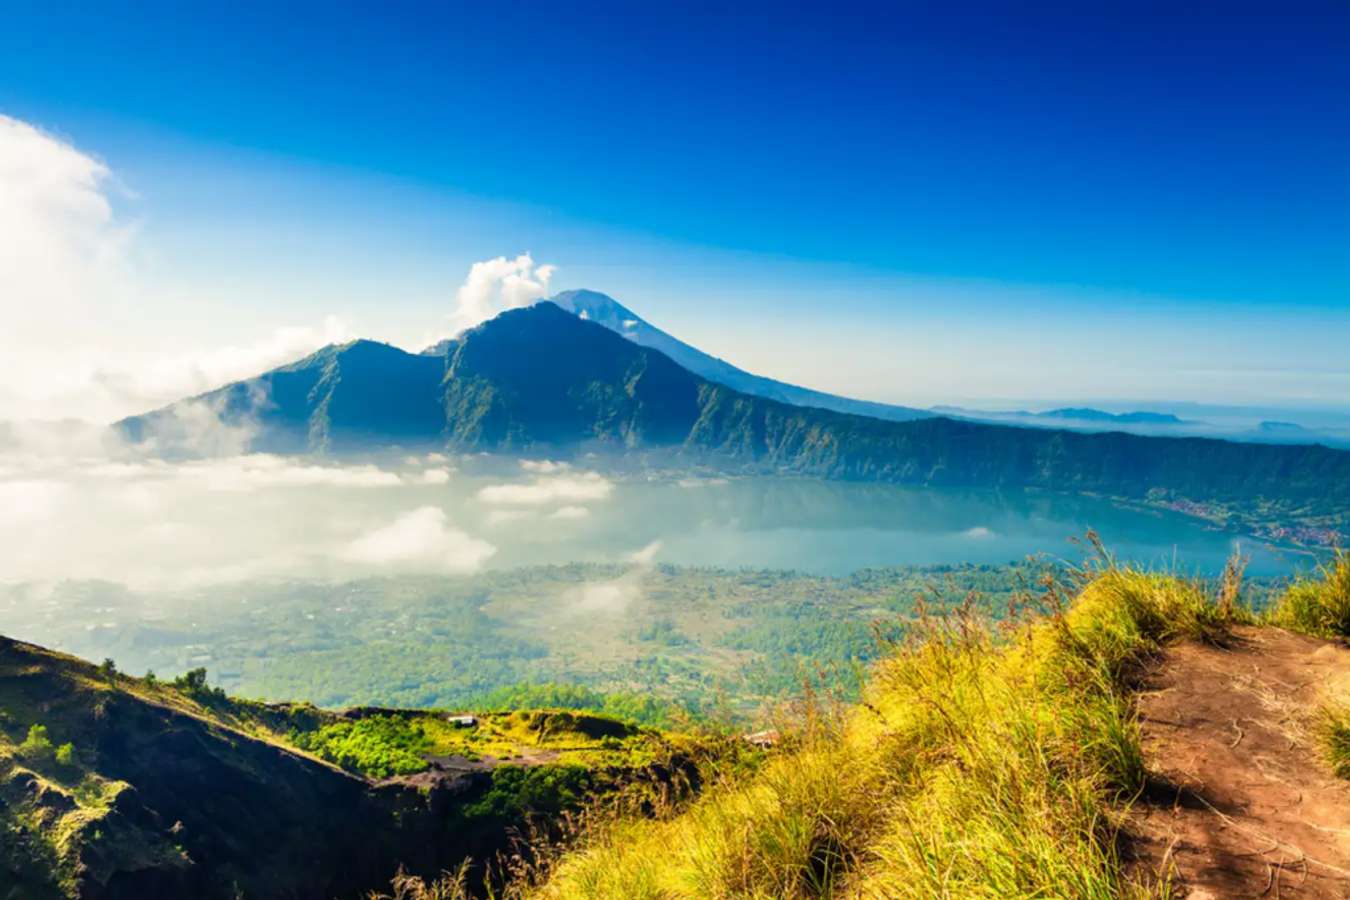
163,800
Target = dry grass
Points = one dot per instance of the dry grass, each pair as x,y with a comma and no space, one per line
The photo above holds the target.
1333,732
449,886
1320,605
981,763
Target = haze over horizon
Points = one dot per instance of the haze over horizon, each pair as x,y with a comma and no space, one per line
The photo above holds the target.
1080,214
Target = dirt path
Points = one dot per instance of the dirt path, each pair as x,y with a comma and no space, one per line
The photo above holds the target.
1243,805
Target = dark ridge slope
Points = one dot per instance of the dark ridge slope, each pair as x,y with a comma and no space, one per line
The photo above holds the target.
541,376
341,398
207,811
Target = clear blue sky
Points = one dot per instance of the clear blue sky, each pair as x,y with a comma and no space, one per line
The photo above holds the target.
1014,181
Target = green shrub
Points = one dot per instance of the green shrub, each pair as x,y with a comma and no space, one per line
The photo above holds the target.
378,746
65,755
518,790
194,685
1320,605
37,746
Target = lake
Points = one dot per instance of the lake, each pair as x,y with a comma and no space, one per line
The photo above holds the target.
834,528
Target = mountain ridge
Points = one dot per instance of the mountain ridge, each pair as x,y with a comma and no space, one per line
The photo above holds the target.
608,312
542,379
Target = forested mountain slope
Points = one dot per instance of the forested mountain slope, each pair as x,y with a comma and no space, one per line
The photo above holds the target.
539,379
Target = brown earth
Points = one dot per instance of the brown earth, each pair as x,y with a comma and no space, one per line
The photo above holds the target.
1241,802
450,771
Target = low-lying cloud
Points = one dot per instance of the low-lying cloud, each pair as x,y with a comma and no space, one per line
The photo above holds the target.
77,504
137,383
422,537
613,596
103,511
570,489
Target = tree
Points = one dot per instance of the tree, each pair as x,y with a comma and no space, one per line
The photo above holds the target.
194,685
37,746
108,669
65,755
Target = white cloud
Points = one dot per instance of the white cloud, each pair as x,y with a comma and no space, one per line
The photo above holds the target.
978,532
606,597
647,555
500,517
496,285
28,500
77,510
69,285
259,471
614,595
436,476
243,473
581,488
199,428
701,482
422,537
570,512
61,252
57,230
543,466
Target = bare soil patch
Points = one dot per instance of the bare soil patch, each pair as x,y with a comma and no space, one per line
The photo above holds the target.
1241,802
445,771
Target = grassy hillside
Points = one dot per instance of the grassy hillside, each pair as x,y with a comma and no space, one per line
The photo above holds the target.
984,759
982,762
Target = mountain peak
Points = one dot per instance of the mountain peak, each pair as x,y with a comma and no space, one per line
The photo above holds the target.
603,309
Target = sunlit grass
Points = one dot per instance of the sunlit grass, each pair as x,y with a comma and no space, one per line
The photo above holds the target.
1333,732
1318,605
981,763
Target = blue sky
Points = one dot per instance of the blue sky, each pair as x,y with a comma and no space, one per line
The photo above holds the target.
907,202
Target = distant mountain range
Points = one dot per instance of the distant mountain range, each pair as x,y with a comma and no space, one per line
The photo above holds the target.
1157,423
1066,416
543,380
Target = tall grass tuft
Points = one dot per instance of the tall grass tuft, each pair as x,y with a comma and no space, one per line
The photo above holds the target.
449,886
982,762
1320,605
1334,733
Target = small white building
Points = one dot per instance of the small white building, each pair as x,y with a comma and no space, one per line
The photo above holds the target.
464,721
